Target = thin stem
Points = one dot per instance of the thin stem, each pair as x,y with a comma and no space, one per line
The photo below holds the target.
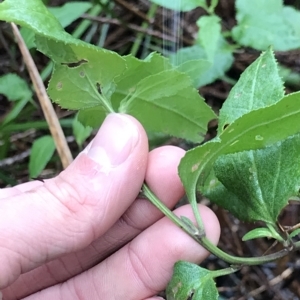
198,218
223,272
141,35
206,243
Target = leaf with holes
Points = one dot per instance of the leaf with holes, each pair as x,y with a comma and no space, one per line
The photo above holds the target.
87,77
85,73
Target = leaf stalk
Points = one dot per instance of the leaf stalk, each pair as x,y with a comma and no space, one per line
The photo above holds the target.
197,235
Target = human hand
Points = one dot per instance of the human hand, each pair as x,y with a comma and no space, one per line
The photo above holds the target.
82,234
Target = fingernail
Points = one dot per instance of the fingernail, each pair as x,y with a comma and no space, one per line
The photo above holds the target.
115,140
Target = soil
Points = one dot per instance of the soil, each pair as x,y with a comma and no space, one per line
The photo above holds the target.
278,280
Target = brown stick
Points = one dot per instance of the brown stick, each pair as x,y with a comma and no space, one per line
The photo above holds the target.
48,110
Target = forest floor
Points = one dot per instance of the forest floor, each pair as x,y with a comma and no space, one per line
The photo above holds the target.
279,280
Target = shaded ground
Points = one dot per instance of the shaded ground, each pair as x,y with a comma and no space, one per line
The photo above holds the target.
278,280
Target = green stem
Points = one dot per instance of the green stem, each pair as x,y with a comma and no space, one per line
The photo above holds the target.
140,36
206,243
223,272
198,218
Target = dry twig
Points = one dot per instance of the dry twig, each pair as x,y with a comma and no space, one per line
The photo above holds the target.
48,110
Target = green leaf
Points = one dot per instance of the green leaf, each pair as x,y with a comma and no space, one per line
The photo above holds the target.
65,14
28,37
209,34
195,68
261,233
252,91
272,124
192,282
41,152
15,111
222,61
136,71
174,108
185,5
290,77
213,5
32,14
14,87
80,132
248,94
264,179
257,233
294,233
69,12
92,117
267,23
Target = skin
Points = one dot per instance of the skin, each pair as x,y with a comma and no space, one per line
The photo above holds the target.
85,234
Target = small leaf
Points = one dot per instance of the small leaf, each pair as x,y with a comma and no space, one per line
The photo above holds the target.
257,233
41,152
209,34
80,132
222,61
15,111
294,233
191,282
14,87
267,23
251,92
69,12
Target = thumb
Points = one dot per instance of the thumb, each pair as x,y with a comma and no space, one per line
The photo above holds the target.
66,213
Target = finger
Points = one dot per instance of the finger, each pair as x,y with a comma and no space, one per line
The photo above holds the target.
143,267
19,189
68,212
162,177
